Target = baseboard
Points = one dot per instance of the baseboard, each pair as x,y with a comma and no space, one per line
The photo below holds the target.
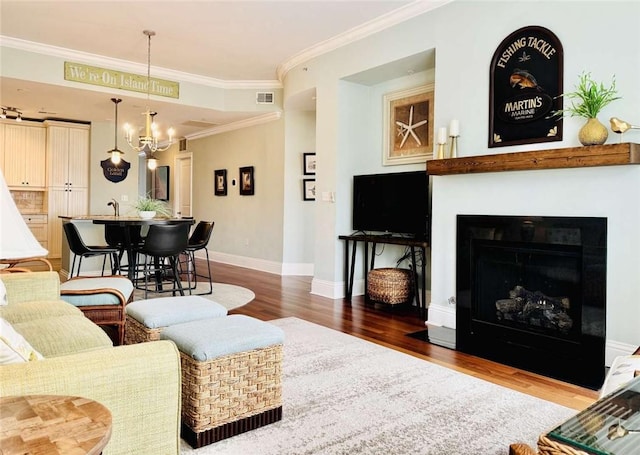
442,316
614,349
242,261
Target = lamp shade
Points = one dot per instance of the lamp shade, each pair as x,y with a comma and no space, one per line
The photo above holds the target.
16,239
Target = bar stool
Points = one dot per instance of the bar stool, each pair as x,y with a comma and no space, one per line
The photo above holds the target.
125,238
79,248
198,241
163,242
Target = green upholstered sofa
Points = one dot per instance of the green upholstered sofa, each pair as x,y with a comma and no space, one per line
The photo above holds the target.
140,384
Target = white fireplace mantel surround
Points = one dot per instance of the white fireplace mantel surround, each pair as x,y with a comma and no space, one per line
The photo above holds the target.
612,192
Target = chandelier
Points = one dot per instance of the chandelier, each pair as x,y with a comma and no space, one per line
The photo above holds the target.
148,143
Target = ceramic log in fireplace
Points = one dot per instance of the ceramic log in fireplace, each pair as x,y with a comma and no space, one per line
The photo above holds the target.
531,293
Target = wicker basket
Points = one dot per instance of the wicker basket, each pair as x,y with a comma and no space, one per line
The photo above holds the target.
547,446
229,395
389,285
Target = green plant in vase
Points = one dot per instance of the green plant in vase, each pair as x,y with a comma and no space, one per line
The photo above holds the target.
149,207
588,99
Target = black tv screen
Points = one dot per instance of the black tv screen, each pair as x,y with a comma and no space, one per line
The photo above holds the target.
396,203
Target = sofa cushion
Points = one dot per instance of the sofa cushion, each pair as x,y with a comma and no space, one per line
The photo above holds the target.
29,311
13,347
62,335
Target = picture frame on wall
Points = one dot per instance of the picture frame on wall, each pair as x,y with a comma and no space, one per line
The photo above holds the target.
247,183
408,126
309,160
309,189
161,183
220,182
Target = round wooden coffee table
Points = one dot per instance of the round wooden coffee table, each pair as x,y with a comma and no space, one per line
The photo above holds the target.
53,424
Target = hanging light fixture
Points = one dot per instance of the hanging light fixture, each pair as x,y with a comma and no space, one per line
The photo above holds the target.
116,153
148,142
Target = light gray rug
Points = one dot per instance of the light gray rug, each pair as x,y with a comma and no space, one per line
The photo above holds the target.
344,395
228,295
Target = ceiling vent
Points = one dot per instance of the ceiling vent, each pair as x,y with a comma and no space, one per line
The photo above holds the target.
183,145
264,97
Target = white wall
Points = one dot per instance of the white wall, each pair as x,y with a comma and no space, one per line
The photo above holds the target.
464,35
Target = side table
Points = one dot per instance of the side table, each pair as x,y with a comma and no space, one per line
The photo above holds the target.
53,424
610,425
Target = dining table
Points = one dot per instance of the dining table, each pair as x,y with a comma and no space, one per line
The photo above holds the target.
127,222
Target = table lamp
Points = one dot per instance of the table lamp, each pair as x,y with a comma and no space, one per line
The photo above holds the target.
17,242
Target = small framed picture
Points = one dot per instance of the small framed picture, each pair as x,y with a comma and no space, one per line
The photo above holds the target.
246,181
220,179
161,183
309,163
309,189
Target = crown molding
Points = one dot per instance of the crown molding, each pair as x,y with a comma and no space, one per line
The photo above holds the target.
383,22
132,67
257,120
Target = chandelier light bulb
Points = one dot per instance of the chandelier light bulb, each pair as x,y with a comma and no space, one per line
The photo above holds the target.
152,163
116,156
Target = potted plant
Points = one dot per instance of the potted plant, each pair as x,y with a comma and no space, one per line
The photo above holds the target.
588,99
149,207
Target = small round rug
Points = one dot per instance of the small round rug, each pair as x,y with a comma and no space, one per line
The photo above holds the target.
228,295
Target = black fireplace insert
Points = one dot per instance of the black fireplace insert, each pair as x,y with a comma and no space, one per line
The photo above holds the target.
531,293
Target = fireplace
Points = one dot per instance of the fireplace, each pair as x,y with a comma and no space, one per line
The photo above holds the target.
531,293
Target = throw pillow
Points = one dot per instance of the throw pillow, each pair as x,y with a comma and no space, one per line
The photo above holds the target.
13,347
3,294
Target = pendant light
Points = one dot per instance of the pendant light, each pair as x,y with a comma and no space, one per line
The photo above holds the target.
116,153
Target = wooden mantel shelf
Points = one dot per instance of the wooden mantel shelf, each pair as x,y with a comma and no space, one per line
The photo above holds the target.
595,155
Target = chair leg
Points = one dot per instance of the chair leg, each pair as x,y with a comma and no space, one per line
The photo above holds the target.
73,265
173,260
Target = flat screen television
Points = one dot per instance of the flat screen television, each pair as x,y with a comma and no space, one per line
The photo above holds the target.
396,203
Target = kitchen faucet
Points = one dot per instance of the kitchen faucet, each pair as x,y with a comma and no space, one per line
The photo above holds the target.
116,207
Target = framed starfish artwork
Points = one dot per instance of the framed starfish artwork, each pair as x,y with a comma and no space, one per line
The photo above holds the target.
408,126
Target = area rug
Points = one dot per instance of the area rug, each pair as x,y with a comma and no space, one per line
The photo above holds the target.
228,295
344,395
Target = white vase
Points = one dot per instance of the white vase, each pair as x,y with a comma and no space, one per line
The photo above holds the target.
147,215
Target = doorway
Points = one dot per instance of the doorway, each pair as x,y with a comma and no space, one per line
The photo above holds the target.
183,187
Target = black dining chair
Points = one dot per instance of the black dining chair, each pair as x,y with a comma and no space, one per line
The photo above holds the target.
82,250
128,239
164,242
198,240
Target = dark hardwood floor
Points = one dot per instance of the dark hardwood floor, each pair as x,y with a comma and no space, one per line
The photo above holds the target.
289,296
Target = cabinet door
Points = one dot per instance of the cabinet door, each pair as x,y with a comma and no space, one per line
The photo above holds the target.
78,158
2,149
58,155
77,202
35,153
15,155
57,207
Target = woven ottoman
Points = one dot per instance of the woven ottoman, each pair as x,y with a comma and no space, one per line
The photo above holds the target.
147,318
231,376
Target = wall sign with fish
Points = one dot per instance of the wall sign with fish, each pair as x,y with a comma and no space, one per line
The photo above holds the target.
525,88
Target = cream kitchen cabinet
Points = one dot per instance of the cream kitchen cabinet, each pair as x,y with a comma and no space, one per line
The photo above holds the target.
38,226
25,156
68,177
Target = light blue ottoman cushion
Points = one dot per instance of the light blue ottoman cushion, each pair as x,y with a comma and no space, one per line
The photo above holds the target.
166,311
123,285
212,338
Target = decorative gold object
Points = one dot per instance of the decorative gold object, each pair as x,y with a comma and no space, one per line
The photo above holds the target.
620,126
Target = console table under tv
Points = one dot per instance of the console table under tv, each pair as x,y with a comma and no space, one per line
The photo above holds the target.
350,259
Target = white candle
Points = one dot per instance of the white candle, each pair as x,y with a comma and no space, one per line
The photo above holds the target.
442,135
454,128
